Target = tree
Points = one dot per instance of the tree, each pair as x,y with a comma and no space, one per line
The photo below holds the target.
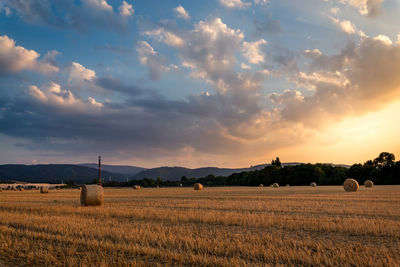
356,171
385,159
276,162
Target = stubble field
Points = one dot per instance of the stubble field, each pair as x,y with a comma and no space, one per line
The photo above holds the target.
225,226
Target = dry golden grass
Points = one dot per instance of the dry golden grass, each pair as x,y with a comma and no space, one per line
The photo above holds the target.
227,226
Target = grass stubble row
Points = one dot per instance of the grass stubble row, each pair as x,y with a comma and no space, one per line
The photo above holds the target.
227,226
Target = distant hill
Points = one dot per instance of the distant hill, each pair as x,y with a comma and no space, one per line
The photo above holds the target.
123,169
84,173
175,173
53,173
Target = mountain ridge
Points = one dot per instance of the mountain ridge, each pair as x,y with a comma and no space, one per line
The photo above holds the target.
87,172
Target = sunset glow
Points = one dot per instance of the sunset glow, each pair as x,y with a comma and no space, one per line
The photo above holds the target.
199,83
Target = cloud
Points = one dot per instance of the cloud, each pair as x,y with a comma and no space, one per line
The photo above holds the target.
149,58
98,4
244,66
181,12
268,26
359,79
53,95
15,58
348,27
144,121
209,52
384,39
126,9
261,2
80,74
233,117
165,36
251,51
370,8
35,11
82,16
234,4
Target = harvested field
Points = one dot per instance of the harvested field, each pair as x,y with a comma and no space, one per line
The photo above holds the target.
225,226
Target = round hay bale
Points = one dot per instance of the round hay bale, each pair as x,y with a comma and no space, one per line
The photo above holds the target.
368,183
44,190
137,187
261,185
92,195
287,185
157,186
197,186
276,185
313,184
350,185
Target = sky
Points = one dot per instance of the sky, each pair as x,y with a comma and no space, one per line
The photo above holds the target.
227,83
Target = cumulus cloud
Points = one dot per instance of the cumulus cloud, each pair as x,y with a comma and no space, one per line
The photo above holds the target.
234,4
181,12
53,95
34,11
261,2
83,15
233,117
245,66
359,79
14,58
79,73
149,58
98,4
348,27
366,7
251,51
166,36
209,52
126,9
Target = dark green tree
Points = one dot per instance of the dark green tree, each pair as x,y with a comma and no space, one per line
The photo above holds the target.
276,162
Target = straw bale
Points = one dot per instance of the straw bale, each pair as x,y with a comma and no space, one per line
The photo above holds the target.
368,183
350,185
92,195
44,189
198,186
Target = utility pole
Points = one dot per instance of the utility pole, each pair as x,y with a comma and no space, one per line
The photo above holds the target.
100,170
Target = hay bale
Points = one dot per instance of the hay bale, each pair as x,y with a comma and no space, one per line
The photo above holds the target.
44,190
261,185
276,185
197,186
157,186
350,185
92,195
368,183
313,184
137,187
287,185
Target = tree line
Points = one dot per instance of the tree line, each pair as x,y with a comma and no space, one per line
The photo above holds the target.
383,170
